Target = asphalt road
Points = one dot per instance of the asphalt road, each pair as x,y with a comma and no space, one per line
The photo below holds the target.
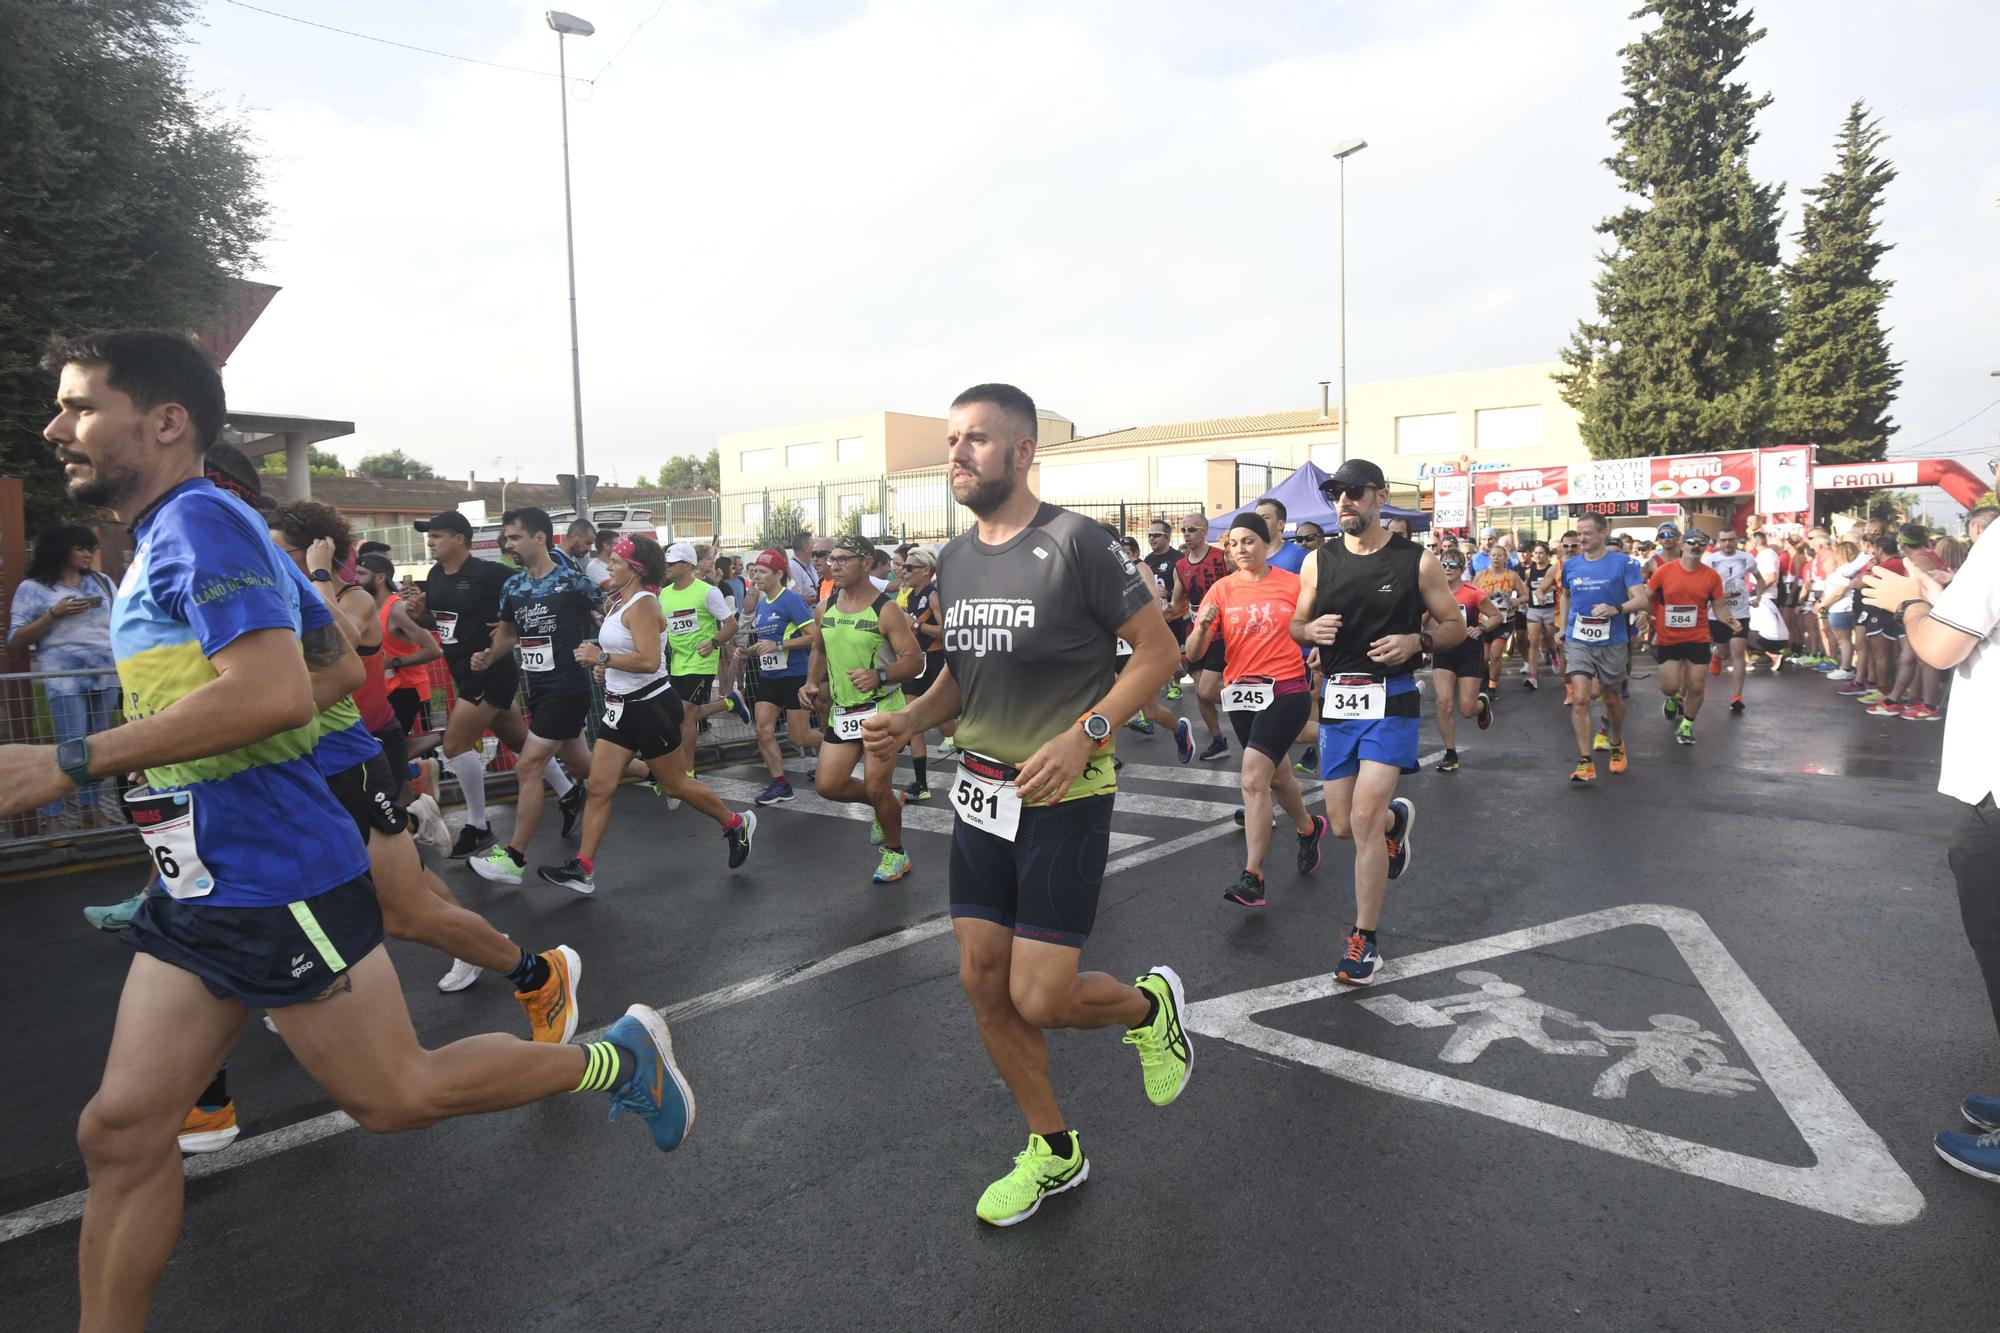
1715,1010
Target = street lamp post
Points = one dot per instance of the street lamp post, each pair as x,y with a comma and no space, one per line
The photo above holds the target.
1341,152
565,26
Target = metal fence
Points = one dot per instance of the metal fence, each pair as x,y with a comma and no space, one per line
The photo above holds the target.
31,718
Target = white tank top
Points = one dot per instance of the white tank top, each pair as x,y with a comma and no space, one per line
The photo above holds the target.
614,637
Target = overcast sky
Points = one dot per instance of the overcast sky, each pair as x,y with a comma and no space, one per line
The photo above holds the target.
793,211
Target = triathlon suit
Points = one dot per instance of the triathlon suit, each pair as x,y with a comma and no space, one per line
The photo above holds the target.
1680,629
780,674
1469,658
1197,577
463,605
1541,605
552,615
642,713
918,605
693,617
1595,645
1030,634
1734,571
1368,710
1264,685
409,687
853,641
264,882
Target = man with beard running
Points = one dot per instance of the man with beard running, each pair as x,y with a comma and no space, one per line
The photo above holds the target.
546,610
1362,603
1034,598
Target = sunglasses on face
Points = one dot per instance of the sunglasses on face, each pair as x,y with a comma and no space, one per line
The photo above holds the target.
1195,528
1307,539
1350,493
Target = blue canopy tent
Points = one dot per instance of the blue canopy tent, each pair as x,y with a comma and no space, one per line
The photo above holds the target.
1299,494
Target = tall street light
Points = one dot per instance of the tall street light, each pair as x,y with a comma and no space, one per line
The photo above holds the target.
565,26
1341,152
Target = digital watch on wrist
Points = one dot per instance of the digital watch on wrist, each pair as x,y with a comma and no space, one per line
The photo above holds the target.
73,758
1097,727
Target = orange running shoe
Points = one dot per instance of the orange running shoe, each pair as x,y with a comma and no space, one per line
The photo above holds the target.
209,1131
1617,759
1585,771
552,1009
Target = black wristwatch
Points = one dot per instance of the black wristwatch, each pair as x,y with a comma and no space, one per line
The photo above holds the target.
1424,639
73,758
1904,609
322,576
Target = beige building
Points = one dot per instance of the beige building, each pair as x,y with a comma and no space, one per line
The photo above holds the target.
891,464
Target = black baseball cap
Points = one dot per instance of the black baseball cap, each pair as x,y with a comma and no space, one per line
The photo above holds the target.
449,521
1355,472
378,562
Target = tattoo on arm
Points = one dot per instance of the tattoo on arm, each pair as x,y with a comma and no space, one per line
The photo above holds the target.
323,646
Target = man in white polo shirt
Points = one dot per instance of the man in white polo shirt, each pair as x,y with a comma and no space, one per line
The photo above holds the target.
1953,626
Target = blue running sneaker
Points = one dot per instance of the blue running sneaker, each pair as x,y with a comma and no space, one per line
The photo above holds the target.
1217,748
657,1093
739,707
1974,1154
1184,741
1363,960
1982,1113
779,790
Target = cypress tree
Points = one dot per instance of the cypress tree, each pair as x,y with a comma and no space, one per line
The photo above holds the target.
1681,356
1835,378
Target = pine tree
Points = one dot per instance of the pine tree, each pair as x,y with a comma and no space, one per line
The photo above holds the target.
1835,378
1681,356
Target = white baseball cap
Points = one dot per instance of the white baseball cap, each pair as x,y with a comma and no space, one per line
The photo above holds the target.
680,553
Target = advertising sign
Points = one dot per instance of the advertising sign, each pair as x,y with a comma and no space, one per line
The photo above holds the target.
1520,487
1784,481
1703,476
1449,502
1865,476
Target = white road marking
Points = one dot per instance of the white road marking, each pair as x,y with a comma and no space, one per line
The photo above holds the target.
258,1147
808,801
1854,1177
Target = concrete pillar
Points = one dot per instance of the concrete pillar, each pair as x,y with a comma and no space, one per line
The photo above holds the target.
298,466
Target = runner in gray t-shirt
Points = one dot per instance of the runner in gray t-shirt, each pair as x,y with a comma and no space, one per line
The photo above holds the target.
1032,601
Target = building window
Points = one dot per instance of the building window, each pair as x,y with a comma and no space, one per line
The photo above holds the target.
1508,427
848,450
753,514
1183,472
802,455
1434,433
759,460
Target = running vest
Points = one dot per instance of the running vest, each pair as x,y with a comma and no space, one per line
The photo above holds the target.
1536,597
614,636
689,624
1198,576
850,641
1374,595
419,677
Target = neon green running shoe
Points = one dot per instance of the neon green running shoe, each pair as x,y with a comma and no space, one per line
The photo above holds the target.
893,866
875,831
1164,1053
1037,1174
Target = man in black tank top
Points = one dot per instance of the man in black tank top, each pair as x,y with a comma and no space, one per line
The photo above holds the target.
1362,602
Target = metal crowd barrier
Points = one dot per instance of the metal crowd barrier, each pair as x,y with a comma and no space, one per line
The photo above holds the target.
94,814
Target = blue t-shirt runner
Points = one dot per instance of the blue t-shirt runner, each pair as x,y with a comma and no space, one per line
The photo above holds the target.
264,830
1606,580
779,619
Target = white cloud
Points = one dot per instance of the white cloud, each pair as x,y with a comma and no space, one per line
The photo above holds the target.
784,218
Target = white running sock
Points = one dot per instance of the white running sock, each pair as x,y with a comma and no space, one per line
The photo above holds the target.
558,779
470,769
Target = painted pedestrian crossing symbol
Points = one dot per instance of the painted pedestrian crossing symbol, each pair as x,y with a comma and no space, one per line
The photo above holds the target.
1674,1051
1617,1060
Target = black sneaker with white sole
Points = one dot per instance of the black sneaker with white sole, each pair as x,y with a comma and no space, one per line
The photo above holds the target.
740,838
570,875
571,805
471,839
1217,748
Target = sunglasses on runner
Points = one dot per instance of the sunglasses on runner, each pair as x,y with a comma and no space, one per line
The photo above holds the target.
1349,493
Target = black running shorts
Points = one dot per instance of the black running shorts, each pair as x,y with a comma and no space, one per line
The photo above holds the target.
409,705
1273,731
494,687
266,957
1719,633
780,690
557,715
648,726
1467,659
1044,884
367,792
1696,654
694,689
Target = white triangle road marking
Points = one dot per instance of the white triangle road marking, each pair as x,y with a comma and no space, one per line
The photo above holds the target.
1853,1177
